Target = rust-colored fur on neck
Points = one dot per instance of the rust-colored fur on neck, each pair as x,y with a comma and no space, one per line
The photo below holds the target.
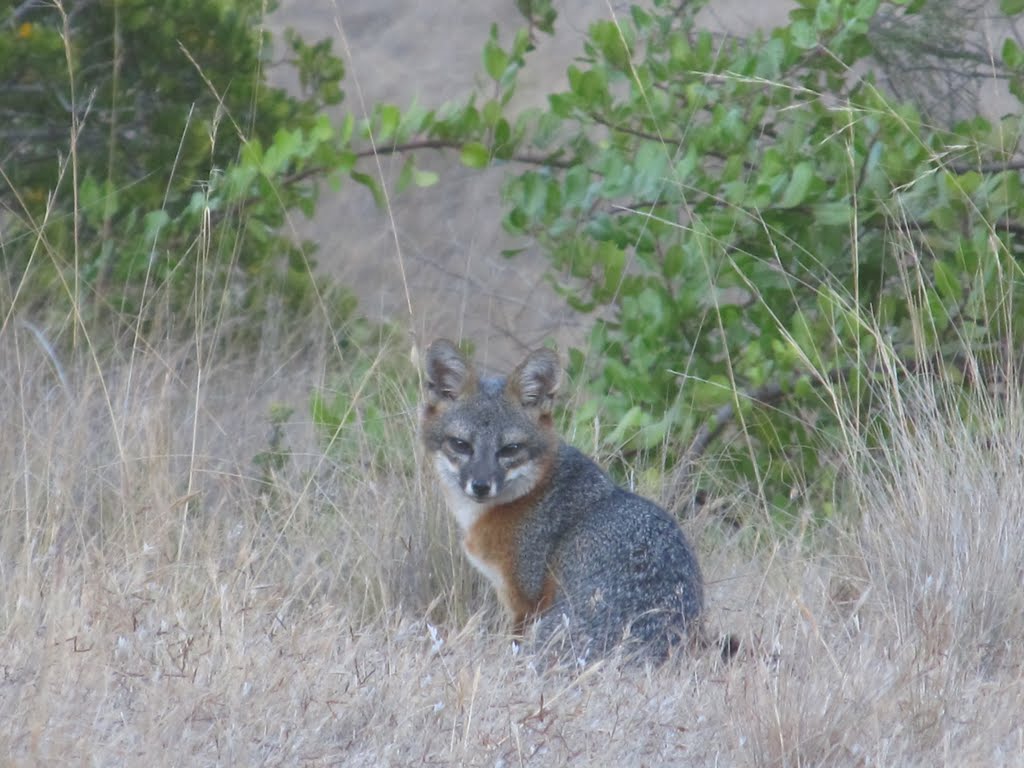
493,539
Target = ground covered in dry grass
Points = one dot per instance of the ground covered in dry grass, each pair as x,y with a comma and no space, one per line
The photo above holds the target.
166,601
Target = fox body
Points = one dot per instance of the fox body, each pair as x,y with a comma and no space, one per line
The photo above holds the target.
549,529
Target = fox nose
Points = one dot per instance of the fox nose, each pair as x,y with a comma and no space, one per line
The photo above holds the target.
479,490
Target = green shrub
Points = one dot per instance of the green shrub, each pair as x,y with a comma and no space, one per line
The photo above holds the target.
738,214
149,164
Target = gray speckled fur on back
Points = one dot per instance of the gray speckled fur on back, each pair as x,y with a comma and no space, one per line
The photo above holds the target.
624,568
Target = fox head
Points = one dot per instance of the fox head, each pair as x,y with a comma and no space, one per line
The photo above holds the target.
492,438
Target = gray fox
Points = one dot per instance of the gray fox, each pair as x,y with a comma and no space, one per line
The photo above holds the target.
559,541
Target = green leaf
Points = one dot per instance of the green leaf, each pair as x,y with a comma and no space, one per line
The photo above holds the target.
390,116
770,57
590,85
799,184
495,60
1012,55
371,184
89,193
410,174
347,127
1017,88
405,175
838,213
561,104
503,144
826,16
322,130
491,113
1011,7
155,221
802,35
475,155
710,392
634,419
576,185
535,195
640,17
947,280
423,178
613,40
649,170
865,10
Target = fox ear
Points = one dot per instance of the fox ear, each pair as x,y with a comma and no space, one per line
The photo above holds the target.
448,373
536,380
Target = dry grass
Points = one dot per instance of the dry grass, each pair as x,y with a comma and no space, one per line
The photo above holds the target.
162,607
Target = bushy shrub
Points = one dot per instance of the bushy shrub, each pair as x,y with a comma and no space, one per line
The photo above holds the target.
148,163
738,213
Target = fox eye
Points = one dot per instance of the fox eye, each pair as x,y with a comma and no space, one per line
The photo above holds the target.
509,450
457,445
